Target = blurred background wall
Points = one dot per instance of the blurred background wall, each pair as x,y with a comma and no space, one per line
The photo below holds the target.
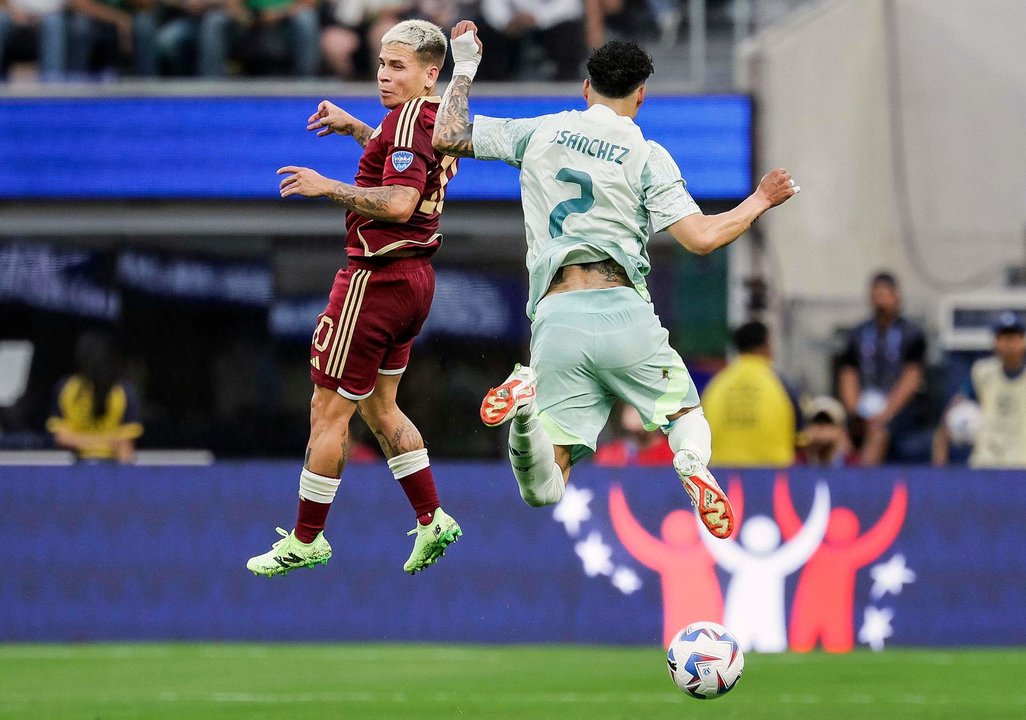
903,121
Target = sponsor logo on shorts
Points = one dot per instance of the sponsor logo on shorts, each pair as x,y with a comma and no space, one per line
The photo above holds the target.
402,159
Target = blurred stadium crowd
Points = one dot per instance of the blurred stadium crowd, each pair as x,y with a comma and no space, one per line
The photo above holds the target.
889,404
58,40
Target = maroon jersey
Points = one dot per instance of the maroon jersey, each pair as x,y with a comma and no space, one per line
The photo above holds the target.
400,153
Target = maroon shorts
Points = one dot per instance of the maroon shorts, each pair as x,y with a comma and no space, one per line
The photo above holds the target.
374,311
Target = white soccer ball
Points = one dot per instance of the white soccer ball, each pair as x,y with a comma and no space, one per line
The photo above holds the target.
705,660
964,421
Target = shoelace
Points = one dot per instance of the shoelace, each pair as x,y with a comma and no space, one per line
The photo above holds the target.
284,537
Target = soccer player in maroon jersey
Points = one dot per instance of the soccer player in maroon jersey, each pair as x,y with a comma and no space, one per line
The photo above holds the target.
379,302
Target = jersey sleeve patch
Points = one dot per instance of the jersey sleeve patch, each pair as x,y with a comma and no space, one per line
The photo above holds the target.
401,160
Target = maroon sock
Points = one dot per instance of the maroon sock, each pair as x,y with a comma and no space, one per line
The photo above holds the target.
310,520
422,494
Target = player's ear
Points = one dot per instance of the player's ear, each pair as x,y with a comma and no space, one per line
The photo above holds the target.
432,75
586,89
641,95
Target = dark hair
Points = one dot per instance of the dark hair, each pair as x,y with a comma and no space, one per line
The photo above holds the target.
822,418
750,336
886,278
619,68
431,53
100,364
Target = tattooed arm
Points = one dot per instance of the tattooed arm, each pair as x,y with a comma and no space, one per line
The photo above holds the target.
453,129
392,203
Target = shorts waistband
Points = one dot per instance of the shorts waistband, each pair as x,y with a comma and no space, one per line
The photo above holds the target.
591,301
390,265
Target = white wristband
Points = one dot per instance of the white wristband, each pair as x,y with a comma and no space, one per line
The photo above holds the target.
467,68
466,55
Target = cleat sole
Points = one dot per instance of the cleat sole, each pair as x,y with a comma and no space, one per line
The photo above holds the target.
712,506
286,570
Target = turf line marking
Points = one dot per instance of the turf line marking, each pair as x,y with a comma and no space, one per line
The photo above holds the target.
371,697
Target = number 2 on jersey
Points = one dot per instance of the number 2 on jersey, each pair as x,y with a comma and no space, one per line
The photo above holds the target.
574,205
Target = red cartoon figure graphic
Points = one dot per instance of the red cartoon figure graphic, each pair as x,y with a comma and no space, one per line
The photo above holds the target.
824,601
691,590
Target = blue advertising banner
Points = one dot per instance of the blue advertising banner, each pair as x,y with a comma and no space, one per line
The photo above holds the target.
838,559
189,147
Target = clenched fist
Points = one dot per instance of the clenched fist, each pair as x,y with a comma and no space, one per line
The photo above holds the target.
777,187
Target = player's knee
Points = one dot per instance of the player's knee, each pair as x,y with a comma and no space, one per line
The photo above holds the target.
329,409
379,416
535,499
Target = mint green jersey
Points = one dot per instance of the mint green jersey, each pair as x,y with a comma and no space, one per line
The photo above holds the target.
590,185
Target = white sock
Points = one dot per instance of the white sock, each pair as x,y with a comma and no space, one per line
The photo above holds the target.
534,461
409,463
317,488
691,432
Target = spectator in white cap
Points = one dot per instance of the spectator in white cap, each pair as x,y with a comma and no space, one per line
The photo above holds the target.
824,441
990,411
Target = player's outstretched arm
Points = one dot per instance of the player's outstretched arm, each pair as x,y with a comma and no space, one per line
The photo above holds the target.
330,118
392,203
453,133
701,234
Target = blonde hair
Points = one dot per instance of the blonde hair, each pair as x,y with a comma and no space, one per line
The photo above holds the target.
422,37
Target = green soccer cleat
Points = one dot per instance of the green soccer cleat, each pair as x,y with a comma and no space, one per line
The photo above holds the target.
431,541
289,553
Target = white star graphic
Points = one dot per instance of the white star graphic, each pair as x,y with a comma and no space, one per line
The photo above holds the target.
573,509
594,555
876,627
626,580
890,577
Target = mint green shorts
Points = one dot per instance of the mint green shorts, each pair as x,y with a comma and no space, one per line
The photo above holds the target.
590,347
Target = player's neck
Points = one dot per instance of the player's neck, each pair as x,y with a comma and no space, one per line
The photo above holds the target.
621,106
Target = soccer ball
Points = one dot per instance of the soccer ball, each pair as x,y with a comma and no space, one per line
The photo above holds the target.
705,660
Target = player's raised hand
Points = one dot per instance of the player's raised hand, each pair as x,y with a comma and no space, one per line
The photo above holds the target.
330,118
303,181
778,186
466,49
462,27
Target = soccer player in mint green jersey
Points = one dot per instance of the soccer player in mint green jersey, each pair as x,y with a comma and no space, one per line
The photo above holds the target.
590,185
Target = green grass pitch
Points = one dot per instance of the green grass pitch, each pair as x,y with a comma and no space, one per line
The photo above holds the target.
365,682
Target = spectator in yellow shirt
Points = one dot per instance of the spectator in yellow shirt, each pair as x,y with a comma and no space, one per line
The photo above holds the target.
752,414
95,411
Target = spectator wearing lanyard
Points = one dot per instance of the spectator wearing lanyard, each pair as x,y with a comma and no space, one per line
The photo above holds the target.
882,372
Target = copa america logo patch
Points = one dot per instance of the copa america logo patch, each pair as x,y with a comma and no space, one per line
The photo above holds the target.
402,159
